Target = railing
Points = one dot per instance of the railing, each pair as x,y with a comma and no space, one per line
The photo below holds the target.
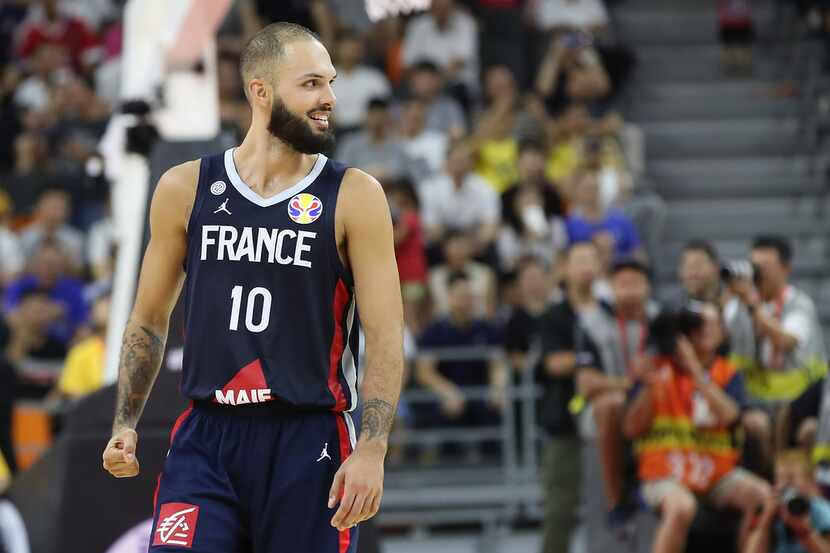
493,494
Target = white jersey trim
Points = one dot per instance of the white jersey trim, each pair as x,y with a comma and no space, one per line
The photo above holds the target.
253,197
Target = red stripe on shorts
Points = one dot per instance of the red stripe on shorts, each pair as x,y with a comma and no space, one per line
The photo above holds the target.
345,537
173,431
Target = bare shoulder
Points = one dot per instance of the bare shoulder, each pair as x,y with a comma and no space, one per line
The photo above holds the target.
361,193
175,193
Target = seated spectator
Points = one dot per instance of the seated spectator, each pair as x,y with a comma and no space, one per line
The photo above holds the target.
459,199
425,149
587,219
50,224
682,414
572,71
409,252
506,27
59,298
356,83
621,338
375,150
30,175
443,114
458,258
47,66
100,245
48,24
11,255
447,379
796,519
448,37
532,213
569,332
83,372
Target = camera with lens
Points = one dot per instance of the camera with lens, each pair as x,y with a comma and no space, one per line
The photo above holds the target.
740,268
670,325
796,503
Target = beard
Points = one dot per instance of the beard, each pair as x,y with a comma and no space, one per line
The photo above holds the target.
297,133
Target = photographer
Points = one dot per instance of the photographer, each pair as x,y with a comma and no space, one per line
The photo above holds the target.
790,354
795,519
684,408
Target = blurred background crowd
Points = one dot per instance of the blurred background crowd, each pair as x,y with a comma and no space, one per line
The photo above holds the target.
615,220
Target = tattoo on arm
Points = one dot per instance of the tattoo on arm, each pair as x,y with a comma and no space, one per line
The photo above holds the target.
141,352
378,416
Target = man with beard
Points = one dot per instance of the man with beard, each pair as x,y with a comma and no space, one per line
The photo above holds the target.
275,246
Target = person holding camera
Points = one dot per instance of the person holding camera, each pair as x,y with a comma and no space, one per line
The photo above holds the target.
682,415
795,519
790,353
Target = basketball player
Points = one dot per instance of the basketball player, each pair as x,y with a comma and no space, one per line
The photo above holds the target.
274,245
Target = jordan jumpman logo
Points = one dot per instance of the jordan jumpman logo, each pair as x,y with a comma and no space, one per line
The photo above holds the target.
223,207
325,453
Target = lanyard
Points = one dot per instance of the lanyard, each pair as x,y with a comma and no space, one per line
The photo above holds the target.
641,348
777,355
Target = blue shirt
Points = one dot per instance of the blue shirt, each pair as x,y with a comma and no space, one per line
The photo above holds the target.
819,518
444,333
67,291
626,239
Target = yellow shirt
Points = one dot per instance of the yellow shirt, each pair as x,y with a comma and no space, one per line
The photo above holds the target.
83,372
497,163
5,473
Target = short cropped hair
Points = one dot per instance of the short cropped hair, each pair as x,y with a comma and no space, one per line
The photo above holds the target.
777,243
267,47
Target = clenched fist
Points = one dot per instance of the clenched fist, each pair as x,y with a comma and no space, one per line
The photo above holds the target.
119,455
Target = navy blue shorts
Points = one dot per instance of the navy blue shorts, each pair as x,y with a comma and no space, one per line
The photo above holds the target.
239,481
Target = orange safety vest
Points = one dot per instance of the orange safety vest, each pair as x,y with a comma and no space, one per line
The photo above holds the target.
684,441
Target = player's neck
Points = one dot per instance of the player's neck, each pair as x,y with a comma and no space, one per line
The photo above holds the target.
263,161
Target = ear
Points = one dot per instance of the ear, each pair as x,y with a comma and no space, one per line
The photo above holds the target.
259,92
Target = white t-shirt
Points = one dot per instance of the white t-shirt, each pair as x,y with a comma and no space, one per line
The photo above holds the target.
579,14
354,89
472,204
11,254
459,40
426,153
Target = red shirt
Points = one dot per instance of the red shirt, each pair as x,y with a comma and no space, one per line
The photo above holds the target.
70,33
412,263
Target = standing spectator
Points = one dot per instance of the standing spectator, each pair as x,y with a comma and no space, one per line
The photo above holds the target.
534,298
11,255
481,279
50,224
460,200
443,114
683,413
46,24
447,379
568,333
409,252
63,294
375,150
426,149
356,83
448,37
736,34
779,530
503,22
589,220
532,212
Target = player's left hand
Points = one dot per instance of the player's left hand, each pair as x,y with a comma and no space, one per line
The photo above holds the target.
359,485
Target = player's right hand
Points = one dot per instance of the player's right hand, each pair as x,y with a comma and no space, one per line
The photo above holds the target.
119,455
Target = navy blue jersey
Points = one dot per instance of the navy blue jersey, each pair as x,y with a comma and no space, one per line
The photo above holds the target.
269,306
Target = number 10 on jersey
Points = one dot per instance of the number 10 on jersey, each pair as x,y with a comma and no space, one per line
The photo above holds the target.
236,308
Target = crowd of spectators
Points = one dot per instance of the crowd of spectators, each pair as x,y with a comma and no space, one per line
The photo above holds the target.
523,223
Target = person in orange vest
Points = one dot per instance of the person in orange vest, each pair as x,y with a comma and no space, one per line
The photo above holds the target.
682,415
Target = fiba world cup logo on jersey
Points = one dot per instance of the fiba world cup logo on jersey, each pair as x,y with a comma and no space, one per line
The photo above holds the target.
305,208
